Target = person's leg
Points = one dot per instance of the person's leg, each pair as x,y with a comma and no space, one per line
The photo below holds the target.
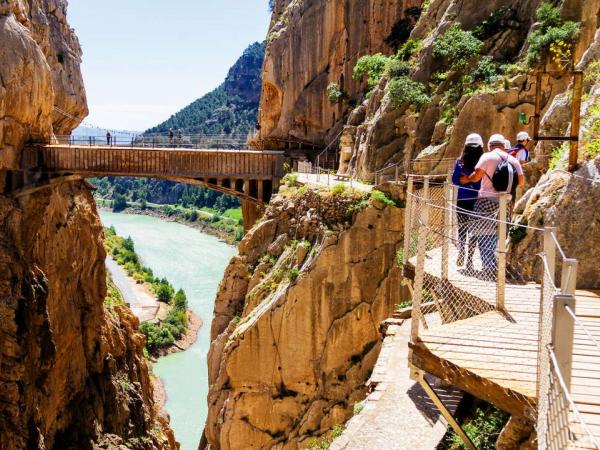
487,248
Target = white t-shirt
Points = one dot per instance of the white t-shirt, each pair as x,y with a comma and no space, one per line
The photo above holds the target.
521,155
488,163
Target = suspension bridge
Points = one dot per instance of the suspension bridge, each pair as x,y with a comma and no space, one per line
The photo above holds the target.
518,334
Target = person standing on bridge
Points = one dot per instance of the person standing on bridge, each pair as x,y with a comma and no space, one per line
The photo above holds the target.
179,137
108,137
467,195
495,168
171,136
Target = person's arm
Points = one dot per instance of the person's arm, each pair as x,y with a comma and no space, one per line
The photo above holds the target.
476,176
521,180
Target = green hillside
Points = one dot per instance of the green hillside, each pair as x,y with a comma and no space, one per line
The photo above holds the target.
229,109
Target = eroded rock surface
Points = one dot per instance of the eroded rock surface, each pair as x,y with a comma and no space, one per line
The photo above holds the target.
296,334
313,43
72,371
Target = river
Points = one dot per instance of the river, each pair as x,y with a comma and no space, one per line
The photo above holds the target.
195,262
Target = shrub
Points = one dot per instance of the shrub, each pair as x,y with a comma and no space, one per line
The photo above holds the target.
373,66
338,189
334,94
404,91
457,46
164,292
293,273
119,203
180,300
395,68
486,70
382,198
557,158
552,32
409,49
358,407
156,336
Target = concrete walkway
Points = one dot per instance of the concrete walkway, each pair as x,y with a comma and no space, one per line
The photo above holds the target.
398,414
325,180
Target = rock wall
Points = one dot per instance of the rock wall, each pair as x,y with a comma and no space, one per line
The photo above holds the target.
379,134
72,373
312,43
295,334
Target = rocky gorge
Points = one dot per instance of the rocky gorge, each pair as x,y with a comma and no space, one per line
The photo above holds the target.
72,373
311,92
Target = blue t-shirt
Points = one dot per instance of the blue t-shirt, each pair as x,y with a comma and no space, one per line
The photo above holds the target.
466,191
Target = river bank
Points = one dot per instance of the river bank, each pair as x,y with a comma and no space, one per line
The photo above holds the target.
230,236
196,262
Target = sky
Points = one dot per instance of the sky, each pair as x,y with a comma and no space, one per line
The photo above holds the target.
144,60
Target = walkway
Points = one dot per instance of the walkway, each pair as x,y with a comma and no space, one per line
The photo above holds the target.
494,356
143,305
398,415
328,180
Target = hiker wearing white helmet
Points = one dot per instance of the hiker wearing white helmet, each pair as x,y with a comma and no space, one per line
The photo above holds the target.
498,172
507,145
521,151
467,195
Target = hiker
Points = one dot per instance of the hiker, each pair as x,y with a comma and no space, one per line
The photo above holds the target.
507,145
498,172
520,151
179,137
467,195
171,135
108,137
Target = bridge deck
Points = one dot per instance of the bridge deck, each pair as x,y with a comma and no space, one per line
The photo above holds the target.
172,162
494,356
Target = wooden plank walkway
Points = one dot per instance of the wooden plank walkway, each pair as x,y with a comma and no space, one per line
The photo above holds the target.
494,355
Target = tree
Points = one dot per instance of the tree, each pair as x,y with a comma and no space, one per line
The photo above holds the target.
119,203
180,300
164,292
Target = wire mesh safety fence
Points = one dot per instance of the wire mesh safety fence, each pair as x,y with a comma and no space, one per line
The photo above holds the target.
457,257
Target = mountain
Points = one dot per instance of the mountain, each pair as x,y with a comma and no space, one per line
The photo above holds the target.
229,109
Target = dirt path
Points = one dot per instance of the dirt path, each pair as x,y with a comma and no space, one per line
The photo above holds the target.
141,302
398,414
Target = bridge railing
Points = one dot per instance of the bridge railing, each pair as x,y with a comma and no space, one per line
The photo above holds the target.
447,288
193,141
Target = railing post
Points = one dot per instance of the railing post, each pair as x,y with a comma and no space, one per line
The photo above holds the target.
407,221
396,174
501,260
447,235
563,326
417,315
550,251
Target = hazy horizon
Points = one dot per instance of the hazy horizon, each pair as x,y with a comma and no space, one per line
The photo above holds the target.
144,61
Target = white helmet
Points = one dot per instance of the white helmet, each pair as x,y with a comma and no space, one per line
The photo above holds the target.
523,136
496,139
474,139
507,145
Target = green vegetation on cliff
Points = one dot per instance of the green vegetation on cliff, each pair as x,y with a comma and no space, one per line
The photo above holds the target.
162,333
231,108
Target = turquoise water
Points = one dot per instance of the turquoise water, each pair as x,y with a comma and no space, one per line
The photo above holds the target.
195,262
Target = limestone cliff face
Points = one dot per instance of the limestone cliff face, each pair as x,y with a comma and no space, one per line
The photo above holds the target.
312,43
72,373
295,334
379,134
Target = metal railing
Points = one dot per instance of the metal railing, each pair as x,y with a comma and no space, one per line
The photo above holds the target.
193,141
439,254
